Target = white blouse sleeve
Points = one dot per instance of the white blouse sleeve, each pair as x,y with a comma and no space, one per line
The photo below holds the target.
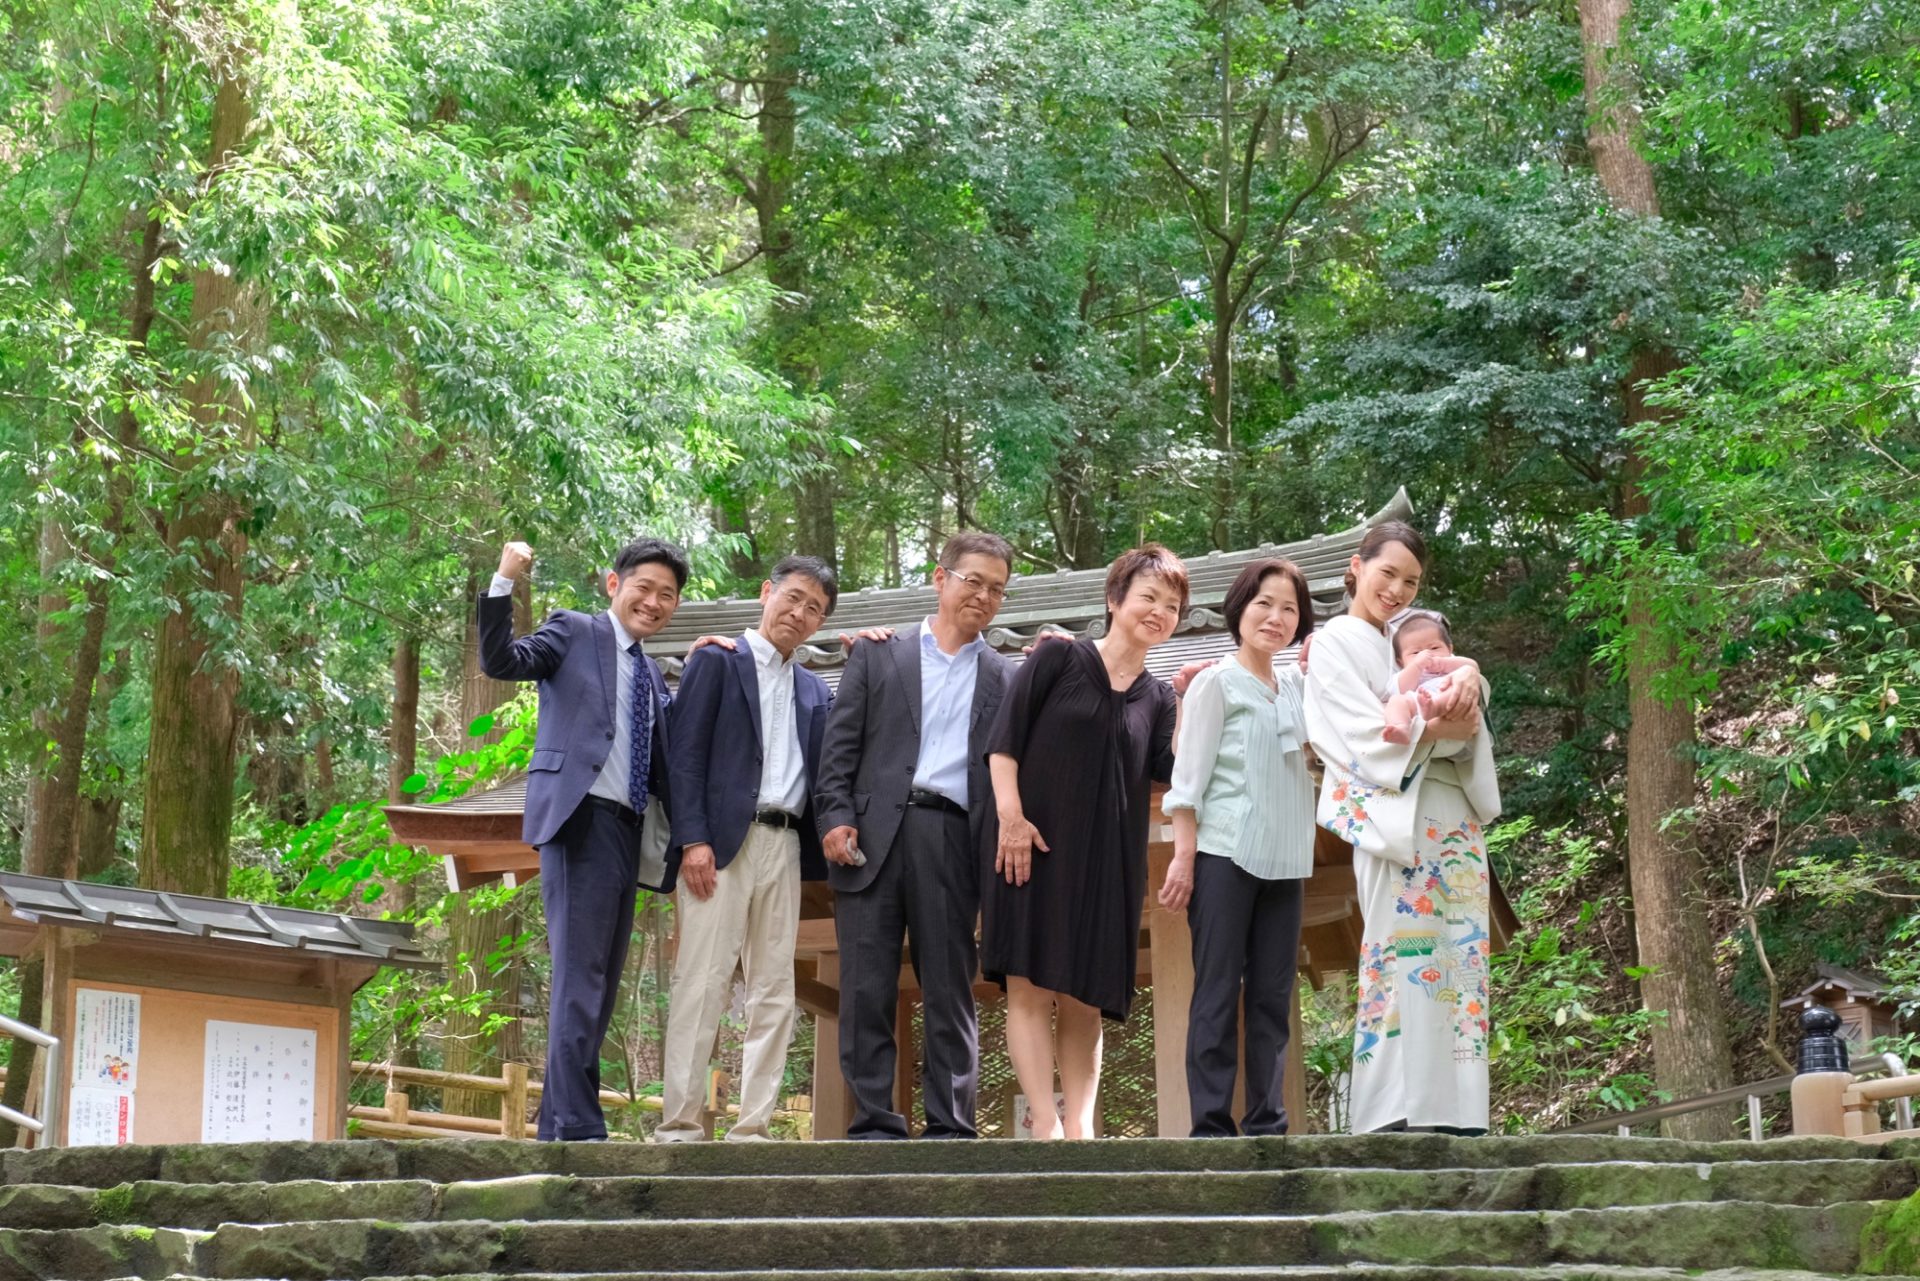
1346,715
1203,717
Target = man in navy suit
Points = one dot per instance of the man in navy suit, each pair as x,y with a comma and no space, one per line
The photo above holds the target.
598,773
747,728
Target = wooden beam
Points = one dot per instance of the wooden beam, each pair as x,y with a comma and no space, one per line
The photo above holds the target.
831,1107
1172,973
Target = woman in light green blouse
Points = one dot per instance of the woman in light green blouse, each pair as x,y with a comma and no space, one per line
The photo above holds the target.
1242,811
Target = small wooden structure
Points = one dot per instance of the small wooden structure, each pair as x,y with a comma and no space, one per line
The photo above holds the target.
191,1020
1864,1003
478,834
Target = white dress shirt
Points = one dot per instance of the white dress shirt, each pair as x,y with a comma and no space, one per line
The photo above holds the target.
946,713
783,769
613,780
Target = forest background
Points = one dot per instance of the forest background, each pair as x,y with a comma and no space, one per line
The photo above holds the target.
307,305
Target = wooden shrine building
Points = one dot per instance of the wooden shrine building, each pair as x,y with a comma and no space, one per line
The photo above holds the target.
193,1020
478,835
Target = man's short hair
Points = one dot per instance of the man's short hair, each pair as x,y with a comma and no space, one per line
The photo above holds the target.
651,551
1248,585
812,567
974,542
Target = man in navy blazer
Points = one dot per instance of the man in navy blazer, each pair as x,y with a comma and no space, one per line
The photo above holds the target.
598,773
747,729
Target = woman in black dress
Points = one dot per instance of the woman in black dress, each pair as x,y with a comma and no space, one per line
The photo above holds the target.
1082,735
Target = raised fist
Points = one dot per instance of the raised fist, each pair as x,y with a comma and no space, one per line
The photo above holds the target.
515,559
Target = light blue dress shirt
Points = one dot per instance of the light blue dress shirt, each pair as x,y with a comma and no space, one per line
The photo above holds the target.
946,709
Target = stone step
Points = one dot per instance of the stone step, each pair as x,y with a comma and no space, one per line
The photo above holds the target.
1718,1235
1306,1272
454,1161
1200,1193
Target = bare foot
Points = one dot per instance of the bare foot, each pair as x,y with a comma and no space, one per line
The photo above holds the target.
1395,734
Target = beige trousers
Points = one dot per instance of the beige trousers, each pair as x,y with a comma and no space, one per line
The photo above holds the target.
752,918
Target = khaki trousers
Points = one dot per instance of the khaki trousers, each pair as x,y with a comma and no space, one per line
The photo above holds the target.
752,918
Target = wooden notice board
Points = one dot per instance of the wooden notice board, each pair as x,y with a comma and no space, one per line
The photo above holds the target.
170,1086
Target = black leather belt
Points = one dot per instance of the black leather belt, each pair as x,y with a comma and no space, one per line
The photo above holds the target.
935,801
776,818
622,812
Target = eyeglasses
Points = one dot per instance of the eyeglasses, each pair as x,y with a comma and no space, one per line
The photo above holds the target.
979,586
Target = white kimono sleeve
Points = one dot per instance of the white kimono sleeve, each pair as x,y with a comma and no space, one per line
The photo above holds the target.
1369,786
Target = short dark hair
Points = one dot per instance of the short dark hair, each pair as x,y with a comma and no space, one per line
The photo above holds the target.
974,542
1422,618
651,551
1248,586
1149,559
1389,531
811,567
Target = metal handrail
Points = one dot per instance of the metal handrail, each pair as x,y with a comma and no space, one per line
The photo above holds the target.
47,1125
1888,1064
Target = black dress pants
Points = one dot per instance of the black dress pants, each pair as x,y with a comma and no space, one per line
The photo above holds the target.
1246,938
588,883
928,890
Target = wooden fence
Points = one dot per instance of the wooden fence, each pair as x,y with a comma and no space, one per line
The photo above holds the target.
398,1119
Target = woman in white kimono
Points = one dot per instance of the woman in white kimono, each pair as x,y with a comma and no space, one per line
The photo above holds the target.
1414,813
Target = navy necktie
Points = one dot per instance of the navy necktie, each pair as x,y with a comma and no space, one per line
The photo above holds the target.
642,730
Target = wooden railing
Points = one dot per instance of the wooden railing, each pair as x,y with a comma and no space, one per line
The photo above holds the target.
397,1119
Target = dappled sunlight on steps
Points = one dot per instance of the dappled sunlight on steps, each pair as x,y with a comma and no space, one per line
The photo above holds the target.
1409,1207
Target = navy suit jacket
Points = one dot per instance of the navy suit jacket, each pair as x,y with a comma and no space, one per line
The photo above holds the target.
718,754
572,656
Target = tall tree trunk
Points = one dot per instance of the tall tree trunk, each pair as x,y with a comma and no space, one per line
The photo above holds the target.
1076,535
474,933
67,833
192,740
1690,1050
771,191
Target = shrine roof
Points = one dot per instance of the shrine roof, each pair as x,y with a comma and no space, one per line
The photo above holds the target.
1074,601
45,900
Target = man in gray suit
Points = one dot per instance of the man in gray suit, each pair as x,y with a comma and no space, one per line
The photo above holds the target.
901,800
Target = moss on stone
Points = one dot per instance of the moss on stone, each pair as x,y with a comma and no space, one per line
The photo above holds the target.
1890,1243
113,1205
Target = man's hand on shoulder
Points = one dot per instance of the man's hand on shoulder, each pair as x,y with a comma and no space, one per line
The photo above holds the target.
516,558
718,642
875,634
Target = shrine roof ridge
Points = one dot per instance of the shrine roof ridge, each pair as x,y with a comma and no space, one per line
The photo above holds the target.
1070,600
46,900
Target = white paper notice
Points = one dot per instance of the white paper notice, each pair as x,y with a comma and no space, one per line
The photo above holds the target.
101,1118
260,1083
106,1039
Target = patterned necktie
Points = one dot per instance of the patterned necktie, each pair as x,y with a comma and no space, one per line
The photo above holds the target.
642,730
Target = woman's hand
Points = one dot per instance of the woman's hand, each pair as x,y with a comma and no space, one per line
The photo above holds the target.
1177,891
1454,730
1013,857
1457,699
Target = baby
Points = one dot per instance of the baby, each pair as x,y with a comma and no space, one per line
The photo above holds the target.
1424,649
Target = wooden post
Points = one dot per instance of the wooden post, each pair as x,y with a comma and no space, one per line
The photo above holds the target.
1293,1090
717,1088
399,1107
1172,969
513,1104
830,1103
903,1059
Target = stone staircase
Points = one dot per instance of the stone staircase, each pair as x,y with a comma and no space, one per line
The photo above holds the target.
1410,1207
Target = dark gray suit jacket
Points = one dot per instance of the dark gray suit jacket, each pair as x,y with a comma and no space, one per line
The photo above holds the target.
873,745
